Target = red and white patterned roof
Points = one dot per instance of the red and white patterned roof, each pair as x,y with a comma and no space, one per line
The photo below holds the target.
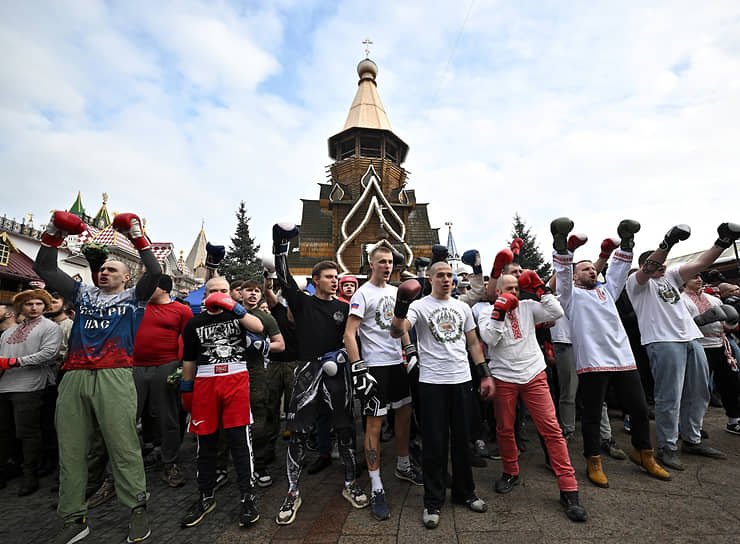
162,250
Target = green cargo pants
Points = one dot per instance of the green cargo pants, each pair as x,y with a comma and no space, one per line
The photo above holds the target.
108,396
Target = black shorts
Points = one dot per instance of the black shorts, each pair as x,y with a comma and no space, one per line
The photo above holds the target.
393,389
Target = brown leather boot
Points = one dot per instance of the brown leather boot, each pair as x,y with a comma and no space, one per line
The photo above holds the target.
595,472
646,460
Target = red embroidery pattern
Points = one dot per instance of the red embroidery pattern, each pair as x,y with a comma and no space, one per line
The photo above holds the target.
516,331
21,332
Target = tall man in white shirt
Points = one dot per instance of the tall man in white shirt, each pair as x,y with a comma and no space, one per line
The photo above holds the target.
601,347
670,336
446,329
370,315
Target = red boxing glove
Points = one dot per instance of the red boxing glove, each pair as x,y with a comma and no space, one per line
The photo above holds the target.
530,281
575,241
549,352
607,246
187,400
503,257
714,291
504,303
516,246
8,362
222,301
130,225
61,225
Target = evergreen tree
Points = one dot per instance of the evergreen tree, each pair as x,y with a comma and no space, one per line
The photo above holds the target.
530,256
240,262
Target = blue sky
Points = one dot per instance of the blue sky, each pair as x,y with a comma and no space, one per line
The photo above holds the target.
178,110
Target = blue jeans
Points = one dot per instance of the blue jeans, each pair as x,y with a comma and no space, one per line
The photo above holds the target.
681,376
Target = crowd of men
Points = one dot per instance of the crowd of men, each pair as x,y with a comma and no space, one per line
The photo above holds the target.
446,356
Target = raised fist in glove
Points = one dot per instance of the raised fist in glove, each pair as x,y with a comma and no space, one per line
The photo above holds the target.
282,234
257,344
728,233
503,257
268,267
130,225
731,321
516,247
398,258
575,241
626,231
472,258
214,255
560,228
364,384
529,281
222,301
608,246
506,302
439,253
407,292
412,357
675,235
61,225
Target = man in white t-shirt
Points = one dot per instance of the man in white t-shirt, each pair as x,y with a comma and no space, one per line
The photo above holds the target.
670,337
446,328
370,314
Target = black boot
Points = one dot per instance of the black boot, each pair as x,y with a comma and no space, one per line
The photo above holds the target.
571,506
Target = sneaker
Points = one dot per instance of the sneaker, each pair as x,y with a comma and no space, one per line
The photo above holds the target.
493,452
172,476
411,474
573,509
733,428
355,495
506,483
104,493
475,503
430,517
670,458
481,449
288,510
702,449
199,509
249,513
138,527
222,477
263,478
73,531
319,464
614,451
378,506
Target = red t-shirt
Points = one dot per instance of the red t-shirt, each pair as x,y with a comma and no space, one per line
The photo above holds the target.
159,338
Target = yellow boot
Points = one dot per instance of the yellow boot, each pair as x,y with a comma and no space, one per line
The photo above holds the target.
646,460
595,472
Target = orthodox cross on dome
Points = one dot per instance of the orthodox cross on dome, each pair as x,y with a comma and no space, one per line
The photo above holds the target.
367,43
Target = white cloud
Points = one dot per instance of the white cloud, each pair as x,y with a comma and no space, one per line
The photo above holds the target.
596,112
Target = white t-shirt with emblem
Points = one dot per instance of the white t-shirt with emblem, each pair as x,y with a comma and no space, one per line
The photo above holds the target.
374,305
661,315
440,328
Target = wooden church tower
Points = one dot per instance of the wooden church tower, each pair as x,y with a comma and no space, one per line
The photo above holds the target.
366,200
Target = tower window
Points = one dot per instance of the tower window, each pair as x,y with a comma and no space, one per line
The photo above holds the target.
370,146
391,152
347,148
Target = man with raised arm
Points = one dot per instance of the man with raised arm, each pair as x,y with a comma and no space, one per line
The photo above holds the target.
98,385
446,333
670,336
320,376
600,344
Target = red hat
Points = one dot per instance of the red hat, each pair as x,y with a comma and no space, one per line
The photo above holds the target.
349,277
